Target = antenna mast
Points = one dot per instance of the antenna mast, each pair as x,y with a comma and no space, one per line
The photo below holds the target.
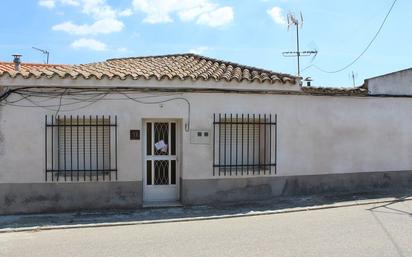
353,76
293,21
45,52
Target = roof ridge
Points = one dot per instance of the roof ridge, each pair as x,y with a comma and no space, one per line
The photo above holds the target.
242,66
151,56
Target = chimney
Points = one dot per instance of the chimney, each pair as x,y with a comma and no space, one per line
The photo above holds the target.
308,81
17,61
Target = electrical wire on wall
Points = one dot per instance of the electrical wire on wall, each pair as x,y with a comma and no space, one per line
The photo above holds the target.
187,126
38,97
4,95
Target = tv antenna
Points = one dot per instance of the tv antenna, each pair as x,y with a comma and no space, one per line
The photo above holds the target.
353,76
45,52
293,21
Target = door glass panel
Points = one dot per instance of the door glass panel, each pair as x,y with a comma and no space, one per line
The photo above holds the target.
161,138
173,138
161,172
149,138
149,172
173,172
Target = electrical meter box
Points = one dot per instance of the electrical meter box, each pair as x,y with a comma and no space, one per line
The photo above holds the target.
200,137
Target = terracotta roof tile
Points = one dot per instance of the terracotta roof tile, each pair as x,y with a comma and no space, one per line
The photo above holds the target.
181,67
357,91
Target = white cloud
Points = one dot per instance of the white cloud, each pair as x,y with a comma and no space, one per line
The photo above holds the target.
47,3
201,11
98,9
157,11
276,13
199,50
122,49
126,13
91,44
52,3
105,17
105,26
70,2
190,14
217,18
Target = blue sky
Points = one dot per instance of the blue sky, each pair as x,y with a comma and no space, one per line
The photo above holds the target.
244,31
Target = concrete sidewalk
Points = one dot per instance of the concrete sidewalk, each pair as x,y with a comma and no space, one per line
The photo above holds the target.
16,223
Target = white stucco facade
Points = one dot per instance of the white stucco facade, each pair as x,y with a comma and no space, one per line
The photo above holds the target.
316,135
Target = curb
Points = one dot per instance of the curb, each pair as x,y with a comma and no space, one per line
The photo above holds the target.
217,217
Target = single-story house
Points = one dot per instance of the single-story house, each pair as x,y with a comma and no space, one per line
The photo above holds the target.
144,131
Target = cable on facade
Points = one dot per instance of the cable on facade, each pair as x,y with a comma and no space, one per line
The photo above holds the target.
187,126
96,95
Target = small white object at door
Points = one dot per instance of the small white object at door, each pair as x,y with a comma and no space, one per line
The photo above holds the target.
161,145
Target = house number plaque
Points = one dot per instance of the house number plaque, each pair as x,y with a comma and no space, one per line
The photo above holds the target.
135,134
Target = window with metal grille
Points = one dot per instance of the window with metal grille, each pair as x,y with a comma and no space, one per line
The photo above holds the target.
244,144
81,148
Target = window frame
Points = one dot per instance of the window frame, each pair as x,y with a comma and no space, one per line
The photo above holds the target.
75,169
255,163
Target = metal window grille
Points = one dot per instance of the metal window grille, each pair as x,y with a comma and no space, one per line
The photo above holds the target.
244,144
80,148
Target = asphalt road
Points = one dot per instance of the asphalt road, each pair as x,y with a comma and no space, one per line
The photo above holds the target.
368,230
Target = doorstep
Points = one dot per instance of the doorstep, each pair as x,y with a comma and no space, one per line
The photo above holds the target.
162,204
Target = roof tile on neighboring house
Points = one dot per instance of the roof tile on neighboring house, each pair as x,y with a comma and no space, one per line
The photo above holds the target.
181,67
350,91
8,67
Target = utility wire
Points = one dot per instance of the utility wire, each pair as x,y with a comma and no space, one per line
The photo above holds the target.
60,103
187,126
96,95
363,52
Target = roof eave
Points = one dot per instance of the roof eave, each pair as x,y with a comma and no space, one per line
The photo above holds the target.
92,82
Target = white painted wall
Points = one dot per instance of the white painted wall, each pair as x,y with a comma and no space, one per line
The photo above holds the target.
396,83
316,134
